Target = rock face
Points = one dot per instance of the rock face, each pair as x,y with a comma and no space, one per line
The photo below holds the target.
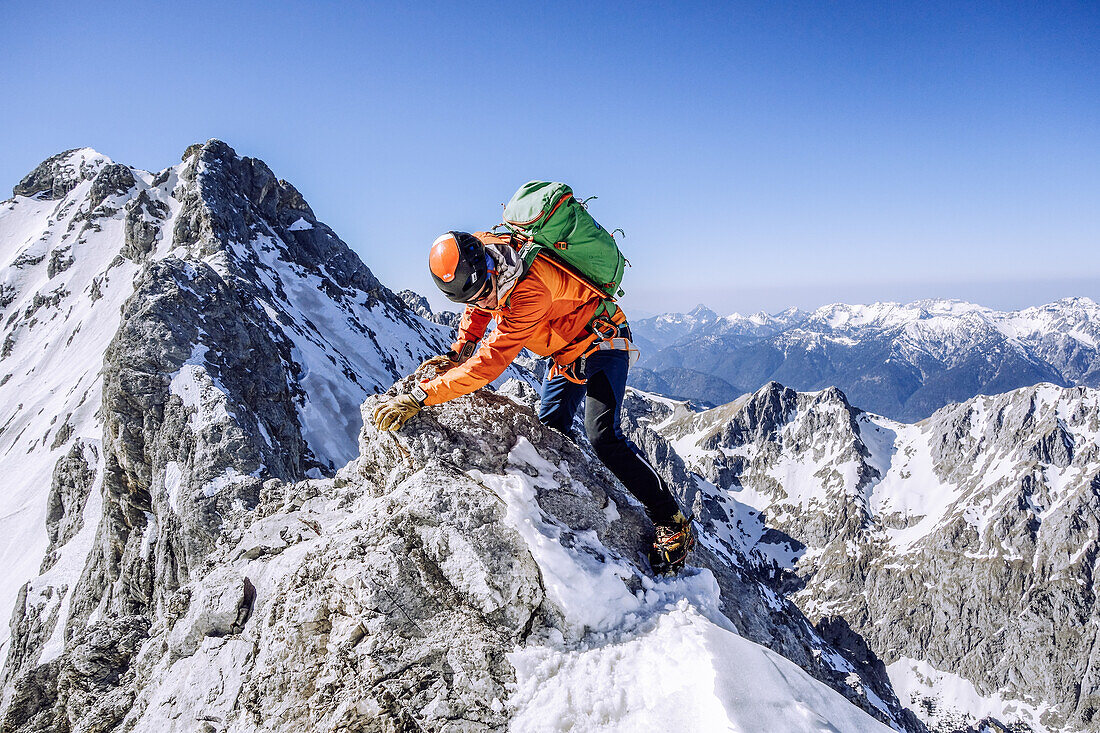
901,361
185,358
959,547
58,175
172,341
398,594
419,305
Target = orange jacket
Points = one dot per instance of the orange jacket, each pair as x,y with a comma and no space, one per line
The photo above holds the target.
545,312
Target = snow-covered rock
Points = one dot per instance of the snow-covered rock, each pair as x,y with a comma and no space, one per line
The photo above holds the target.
188,548
961,548
170,342
419,305
457,577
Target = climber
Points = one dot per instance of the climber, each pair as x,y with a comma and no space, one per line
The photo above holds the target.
548,310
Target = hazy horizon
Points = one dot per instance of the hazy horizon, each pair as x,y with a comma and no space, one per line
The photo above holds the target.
1001,296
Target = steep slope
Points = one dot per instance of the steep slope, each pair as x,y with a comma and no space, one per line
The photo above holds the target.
473,572
902,361
186,354
961,548
172,340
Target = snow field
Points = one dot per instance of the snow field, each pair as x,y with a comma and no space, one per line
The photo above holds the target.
955,699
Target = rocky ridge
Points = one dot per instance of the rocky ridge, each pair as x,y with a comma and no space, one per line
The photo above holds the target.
960,548
186,353
419,305
172,341
447,579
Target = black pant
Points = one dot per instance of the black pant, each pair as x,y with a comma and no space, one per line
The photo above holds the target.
606,372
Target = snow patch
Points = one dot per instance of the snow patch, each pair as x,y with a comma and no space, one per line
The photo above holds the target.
948,700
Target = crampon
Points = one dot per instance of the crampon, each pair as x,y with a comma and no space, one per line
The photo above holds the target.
675,539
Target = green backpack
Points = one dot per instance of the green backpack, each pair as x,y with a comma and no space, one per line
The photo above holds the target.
545,217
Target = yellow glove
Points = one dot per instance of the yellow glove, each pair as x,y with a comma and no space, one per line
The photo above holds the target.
443,361
395,411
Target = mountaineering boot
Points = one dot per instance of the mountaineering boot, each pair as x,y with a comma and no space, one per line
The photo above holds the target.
675,538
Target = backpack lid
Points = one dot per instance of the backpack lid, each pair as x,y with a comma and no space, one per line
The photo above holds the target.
534,200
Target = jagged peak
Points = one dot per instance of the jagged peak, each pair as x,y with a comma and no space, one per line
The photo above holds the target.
772,387
1045,396
1046,401
701,311
768,407
224,173
832,394
419,305
57,175
774,401
213,147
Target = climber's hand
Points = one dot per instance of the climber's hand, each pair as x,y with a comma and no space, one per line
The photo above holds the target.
443,361
395,411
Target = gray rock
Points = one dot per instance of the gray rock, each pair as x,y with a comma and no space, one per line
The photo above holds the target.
143,218
72,482
998,590
60,260
420,306
112,180
54,177
245,380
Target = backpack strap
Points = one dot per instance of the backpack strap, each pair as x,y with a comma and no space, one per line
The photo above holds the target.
529,250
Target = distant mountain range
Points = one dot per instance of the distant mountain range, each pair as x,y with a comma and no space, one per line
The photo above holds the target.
901,361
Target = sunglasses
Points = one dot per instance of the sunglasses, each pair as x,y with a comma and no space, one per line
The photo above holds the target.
486,296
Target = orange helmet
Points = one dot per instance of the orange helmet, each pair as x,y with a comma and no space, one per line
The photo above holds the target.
460,266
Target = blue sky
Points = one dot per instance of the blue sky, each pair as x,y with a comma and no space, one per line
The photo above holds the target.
758,155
